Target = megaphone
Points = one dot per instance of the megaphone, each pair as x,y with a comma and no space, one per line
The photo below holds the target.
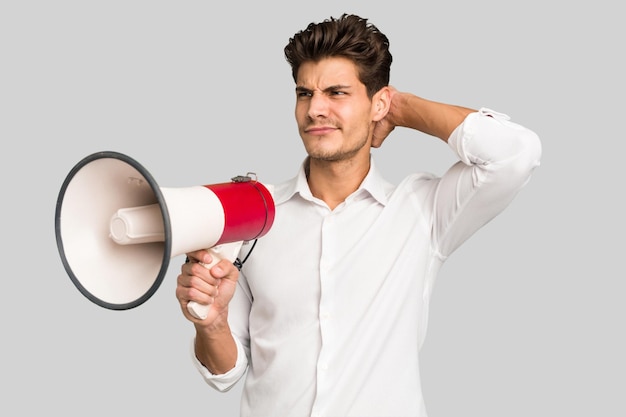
116,229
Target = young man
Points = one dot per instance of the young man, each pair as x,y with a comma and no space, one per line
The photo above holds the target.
328,314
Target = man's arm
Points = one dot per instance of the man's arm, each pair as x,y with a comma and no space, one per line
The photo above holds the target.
497,158
214,346
413,112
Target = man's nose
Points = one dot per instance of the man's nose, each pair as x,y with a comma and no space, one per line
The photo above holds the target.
318,105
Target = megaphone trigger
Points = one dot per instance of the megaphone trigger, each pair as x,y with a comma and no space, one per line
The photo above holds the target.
228,251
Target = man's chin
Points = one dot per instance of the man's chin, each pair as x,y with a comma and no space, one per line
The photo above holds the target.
318,156
321,152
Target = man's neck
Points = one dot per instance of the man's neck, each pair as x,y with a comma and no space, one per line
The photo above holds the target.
334,181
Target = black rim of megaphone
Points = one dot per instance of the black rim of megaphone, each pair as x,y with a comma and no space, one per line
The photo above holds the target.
166,226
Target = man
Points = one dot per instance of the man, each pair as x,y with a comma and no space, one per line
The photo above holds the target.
329,312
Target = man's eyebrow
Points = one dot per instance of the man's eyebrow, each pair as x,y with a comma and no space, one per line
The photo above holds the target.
327,89
337,87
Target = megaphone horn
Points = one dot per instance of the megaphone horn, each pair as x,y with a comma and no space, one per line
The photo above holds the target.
117,230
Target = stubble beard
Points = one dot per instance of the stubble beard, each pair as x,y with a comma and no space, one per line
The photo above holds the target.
341,154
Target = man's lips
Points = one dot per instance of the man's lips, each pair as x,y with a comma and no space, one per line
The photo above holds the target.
320,130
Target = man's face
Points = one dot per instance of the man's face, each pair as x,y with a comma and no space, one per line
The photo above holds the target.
333,112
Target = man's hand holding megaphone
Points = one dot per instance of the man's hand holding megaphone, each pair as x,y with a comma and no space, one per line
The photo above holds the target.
208,283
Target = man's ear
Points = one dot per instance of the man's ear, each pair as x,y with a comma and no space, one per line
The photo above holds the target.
380,104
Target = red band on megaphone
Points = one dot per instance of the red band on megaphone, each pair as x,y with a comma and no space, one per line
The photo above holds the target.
248,210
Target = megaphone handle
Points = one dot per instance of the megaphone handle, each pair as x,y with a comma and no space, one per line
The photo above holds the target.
227,251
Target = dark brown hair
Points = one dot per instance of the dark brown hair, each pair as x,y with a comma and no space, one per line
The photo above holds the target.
349,36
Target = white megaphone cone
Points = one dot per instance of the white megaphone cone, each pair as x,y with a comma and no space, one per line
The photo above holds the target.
116,229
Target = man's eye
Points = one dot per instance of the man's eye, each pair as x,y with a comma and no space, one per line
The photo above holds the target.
304,94
338,93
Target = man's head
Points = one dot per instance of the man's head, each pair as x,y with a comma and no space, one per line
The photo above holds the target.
350,37
341,70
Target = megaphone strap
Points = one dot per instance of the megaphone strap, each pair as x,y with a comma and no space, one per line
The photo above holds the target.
238,262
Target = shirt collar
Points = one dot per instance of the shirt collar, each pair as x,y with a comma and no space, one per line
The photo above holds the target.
373,184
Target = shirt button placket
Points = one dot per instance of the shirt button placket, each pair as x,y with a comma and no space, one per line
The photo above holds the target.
326,281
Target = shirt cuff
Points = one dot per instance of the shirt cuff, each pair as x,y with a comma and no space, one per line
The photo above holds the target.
222,382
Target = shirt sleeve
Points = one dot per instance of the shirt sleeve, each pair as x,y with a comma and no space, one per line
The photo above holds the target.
497,158
226,381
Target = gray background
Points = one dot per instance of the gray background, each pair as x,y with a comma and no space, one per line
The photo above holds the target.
527,318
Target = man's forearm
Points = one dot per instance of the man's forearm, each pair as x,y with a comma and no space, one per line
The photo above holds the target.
430,117
216,350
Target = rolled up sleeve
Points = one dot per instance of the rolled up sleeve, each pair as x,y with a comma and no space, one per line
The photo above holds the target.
222,382
497,159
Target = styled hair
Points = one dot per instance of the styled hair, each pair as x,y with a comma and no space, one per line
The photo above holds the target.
350,37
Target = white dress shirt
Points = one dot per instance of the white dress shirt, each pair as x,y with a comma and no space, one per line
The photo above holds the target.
332,305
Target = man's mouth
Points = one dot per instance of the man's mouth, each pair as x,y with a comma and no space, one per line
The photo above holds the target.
320,130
